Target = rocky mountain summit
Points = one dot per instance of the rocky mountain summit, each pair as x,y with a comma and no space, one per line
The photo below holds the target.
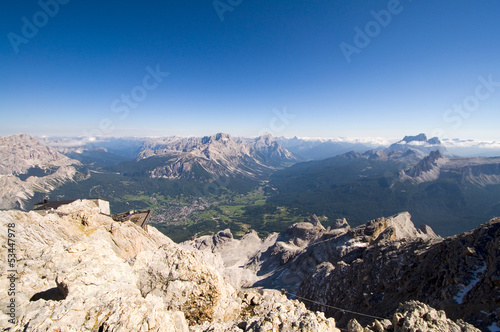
21,152
218,155
420,145
28,166
284,260
78,270
426,160
407,151
370,269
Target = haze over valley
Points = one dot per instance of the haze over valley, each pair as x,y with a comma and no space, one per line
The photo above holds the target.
200,185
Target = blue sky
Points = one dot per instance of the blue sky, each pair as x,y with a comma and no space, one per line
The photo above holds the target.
277,66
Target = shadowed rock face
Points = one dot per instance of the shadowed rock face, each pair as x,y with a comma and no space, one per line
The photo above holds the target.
458,275
305,246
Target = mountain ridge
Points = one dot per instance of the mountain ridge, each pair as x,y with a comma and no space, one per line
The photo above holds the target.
218,155
28,166
433,186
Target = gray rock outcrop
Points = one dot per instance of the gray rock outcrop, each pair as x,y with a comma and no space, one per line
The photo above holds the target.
414,316
78,270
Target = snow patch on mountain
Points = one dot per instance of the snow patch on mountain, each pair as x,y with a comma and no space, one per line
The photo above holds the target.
476,277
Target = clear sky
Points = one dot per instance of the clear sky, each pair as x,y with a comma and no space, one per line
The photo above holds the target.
289,67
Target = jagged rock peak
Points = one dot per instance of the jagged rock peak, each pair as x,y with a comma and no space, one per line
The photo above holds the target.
421,138
434,155
28,166
419,144
302,232
412,269
214,156
314,220
340,223
269,148
20,152
266,136
219,137
396,227
427,169
266,140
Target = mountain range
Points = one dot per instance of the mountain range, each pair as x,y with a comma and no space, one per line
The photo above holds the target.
164,169
319,148
215,156
185,176
416,174
363,271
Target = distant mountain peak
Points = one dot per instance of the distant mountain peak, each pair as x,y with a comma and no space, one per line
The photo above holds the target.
218,154
420,138
21,152
266,139
219,137
420,145
434,140
428,169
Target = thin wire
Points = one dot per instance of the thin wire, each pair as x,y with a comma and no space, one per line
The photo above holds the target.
336,308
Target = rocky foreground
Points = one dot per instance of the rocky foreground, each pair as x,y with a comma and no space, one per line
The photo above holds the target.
79,270
370,269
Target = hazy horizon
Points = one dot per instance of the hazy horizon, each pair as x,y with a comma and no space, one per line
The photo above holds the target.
460,147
